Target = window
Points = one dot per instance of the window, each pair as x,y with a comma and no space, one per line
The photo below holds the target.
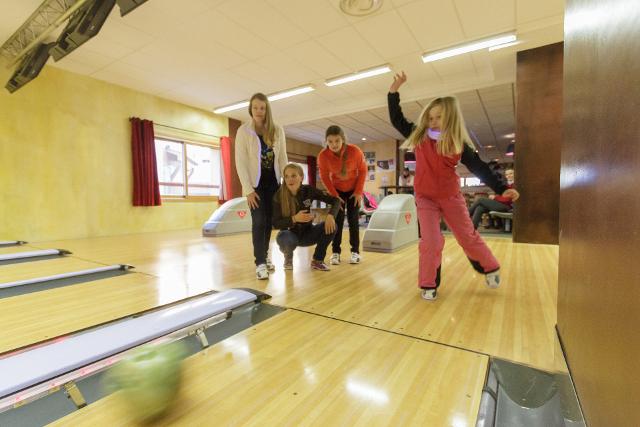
472,182
187,170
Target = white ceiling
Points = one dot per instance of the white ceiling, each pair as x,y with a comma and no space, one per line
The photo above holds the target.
209,53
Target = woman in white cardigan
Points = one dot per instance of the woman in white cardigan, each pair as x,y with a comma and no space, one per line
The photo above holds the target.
261,155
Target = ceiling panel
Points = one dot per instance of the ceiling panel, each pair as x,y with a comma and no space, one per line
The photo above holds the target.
258,16
402,41
352,49
432,30
502,18
316,17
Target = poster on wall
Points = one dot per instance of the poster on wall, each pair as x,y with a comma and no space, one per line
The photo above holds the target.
371,172
370,157
386,165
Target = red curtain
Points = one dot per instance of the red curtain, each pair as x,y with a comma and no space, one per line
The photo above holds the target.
225,170
312,166
146,189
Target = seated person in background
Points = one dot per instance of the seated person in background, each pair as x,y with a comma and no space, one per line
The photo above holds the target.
292,215
406,180
493,203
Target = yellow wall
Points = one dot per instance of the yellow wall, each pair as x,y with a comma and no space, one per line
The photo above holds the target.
65,159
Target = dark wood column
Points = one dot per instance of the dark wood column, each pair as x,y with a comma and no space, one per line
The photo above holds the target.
538,141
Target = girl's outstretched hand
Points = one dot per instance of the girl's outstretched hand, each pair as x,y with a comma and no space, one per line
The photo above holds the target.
512,194
398,80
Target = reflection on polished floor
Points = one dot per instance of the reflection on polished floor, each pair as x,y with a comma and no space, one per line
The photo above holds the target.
357,346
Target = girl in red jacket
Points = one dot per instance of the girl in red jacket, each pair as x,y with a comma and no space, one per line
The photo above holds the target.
440,141
343,170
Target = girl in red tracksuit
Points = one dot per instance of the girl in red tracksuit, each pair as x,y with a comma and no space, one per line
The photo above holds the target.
440,140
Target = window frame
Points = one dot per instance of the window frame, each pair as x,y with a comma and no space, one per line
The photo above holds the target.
186,197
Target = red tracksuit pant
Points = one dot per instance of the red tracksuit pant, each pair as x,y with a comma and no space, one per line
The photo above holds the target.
456,215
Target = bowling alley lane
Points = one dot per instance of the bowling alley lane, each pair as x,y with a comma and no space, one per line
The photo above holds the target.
303,369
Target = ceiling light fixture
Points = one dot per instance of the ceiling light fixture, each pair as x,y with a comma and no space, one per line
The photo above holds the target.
358,75
273,97
502,46
468,47
360,7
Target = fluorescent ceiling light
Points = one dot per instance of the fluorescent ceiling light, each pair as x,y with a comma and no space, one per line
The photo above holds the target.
237,106
273,97
291,92
359,75
502,46
469,47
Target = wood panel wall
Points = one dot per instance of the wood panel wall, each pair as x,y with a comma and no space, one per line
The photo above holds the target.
538,141
599,268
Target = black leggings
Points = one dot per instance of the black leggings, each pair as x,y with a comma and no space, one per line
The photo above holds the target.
314,235
353,213
261,219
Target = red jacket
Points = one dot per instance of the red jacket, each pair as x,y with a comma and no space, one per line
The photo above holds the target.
436,176
330,165
504,200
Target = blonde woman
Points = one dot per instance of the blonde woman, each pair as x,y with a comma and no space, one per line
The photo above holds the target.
440,141
292,214
261,154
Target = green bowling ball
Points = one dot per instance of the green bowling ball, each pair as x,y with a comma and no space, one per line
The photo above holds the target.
148,379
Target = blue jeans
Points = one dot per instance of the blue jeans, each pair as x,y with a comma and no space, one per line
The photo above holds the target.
314,235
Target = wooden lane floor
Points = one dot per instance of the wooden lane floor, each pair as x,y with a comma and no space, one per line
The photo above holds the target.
183,256
43,268
40,316
302,369
515,322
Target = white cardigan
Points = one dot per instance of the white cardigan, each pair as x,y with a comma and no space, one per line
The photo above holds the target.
248,151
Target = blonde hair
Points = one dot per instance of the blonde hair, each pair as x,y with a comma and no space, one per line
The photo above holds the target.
269,135
334,130
453,130
288,202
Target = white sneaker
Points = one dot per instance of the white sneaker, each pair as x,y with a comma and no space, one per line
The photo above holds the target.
270,266
335,259
493,279
261,272
429,294
355,258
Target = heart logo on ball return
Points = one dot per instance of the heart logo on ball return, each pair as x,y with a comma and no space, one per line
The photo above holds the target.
242,214
407,217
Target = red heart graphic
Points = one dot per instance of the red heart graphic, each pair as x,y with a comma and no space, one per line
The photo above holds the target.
407,217
242,214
